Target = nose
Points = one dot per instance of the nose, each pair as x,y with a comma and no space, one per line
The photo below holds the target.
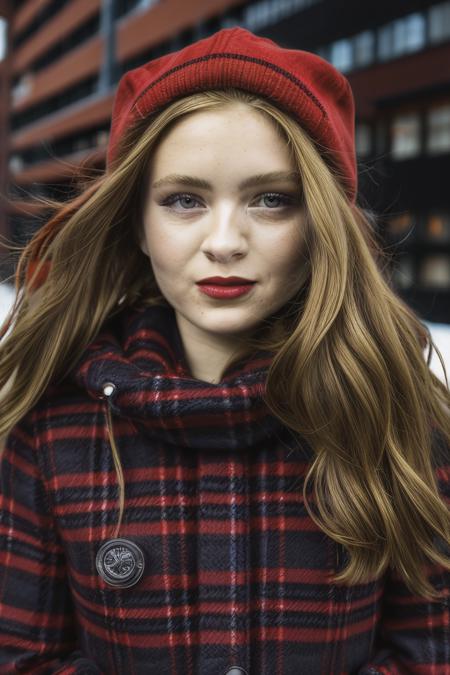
227,234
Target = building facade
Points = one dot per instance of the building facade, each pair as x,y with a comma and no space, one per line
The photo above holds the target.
63,59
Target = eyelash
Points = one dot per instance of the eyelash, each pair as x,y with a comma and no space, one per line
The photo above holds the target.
172,198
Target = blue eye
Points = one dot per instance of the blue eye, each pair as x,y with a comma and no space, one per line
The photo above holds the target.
277,196
171,199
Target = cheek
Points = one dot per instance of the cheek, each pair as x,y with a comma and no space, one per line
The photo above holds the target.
286,254
168,253
287,266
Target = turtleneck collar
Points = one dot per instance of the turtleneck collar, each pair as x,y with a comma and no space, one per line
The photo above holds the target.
141,353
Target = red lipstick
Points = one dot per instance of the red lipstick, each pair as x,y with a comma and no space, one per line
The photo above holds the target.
225,281
225,287
225,291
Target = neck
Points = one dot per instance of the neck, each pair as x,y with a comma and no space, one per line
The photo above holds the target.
207,356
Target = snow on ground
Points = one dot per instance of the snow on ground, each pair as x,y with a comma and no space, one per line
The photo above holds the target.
7,294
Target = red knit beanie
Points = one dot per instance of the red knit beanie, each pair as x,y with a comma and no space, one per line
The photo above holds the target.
317,95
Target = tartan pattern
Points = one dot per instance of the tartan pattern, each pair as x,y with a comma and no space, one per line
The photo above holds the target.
236,572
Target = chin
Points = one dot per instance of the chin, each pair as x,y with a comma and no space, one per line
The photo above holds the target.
231,325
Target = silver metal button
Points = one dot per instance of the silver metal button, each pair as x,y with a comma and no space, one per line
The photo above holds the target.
236,670
109,388
120,562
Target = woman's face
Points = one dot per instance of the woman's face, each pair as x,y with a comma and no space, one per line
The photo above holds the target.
222,227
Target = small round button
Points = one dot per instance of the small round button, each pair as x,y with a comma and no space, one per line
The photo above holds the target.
109,388
236,670
120,562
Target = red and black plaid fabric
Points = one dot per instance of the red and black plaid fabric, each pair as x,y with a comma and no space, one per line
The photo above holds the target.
236,572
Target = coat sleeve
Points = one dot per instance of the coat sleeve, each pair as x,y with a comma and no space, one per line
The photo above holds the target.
415,632
37,625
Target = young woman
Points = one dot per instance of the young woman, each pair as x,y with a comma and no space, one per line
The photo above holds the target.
225,452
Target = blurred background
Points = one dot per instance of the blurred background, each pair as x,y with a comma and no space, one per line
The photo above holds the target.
61,60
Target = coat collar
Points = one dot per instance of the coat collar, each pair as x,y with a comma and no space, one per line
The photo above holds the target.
140,351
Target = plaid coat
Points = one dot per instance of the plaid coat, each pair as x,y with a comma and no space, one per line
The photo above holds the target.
227,569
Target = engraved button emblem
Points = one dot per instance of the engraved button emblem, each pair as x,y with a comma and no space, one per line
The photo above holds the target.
120,562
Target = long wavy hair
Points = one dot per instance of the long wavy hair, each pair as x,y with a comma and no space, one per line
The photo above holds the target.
348,373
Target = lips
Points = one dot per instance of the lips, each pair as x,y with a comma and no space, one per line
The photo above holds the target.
227,292
225,281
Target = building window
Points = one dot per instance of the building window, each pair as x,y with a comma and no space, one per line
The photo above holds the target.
80,144
129,7
392,40
385,42
403,272
363,139
364,48
437,227
397,227
435,271
230,20
16,163
267,12
45,11
405,136
439,22
341,55
257,16
101,138
408,34
146,4
34,112
416,32
23,88
401,36
438,129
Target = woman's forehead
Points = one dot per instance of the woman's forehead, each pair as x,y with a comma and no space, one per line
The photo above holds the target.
212,142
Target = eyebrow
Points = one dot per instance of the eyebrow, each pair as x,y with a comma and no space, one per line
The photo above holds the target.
252,181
